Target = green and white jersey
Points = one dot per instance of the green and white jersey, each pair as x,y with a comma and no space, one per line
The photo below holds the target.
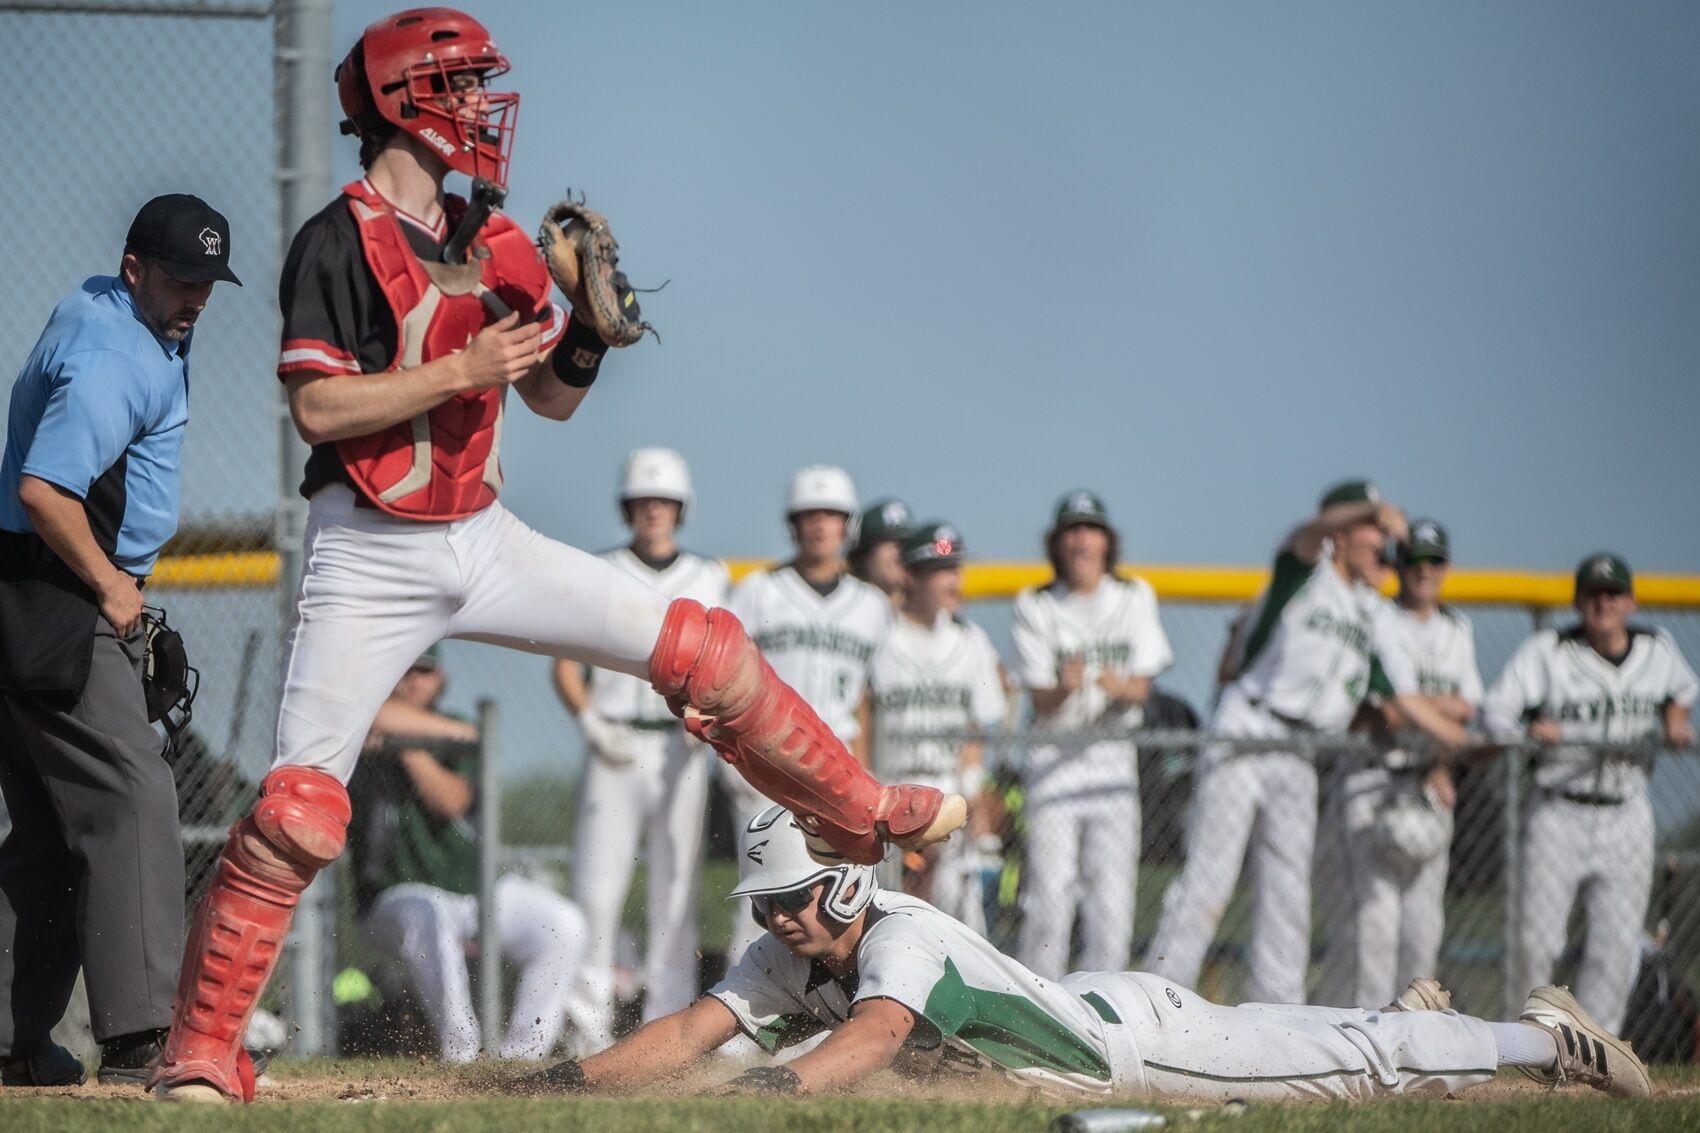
991,1014
621,697
820,646
1557,675
1305,661
932,678
1441,651
1116,629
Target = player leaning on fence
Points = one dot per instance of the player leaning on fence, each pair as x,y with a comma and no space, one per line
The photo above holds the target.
1304,670
1589,825
92,872
1388,819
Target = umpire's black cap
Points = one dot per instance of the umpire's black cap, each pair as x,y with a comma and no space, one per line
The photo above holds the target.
184,235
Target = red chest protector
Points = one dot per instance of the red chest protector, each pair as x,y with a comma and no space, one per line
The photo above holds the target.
443,464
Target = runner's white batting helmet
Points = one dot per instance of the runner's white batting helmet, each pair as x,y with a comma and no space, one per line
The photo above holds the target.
772,859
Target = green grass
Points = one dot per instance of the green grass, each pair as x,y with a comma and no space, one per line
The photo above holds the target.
460,1101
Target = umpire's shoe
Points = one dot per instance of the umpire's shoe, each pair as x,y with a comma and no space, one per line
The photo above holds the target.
52,1065
1587,1052
132,1059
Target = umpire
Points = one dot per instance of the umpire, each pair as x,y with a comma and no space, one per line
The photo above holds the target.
91,874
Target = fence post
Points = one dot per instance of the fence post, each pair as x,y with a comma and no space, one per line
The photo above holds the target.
302,54
489,859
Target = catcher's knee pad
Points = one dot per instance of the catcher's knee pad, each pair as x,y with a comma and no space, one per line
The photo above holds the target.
704,658
296,829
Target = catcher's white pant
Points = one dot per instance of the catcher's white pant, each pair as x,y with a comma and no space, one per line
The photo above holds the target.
377,591
1269,801
428,929
660,795
1082,856
1383,919
1605,854
1171,1042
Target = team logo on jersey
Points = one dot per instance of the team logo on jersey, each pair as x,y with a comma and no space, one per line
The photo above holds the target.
754,852
211,240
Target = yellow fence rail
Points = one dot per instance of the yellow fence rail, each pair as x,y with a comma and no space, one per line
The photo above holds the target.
989,581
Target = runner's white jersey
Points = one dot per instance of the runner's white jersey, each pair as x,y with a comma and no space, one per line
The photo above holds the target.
1305,662
822,647
932,678
1556,675
991,1014
1116,629
622,697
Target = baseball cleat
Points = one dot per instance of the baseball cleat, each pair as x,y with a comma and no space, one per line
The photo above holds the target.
192,1093
1587,1052
952,815
1425,993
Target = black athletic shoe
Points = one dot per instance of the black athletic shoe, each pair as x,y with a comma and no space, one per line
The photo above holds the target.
133,1058
52,1065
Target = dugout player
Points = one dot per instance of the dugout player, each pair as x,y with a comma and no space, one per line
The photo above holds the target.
1389,820
397,367
898,983
815,622
1589,826
937,671
1089,645
646,779
876,543
415,867
1304,669
91,874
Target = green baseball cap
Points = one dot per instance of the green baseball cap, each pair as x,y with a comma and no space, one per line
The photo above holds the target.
933,544
883,520
1606,571
1349,492
1428,541
1078,507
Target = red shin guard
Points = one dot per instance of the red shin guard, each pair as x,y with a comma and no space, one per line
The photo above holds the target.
705,661
297,828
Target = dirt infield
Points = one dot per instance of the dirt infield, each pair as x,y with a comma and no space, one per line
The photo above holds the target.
428,1097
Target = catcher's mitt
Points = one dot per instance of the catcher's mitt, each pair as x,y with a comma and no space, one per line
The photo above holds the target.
584,258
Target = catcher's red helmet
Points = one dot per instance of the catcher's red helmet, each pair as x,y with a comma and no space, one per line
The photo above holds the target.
402,70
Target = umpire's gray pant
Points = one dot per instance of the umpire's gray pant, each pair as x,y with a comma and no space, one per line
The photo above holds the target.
91,873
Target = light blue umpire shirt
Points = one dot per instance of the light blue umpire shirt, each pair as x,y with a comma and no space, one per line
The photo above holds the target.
100,409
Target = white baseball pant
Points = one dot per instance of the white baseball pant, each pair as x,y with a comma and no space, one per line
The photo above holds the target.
660,793
1383,920
1267,801
1172,1043
377,591
1082,857
429,928
1605,854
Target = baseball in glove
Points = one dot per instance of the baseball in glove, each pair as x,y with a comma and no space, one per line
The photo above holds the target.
584,258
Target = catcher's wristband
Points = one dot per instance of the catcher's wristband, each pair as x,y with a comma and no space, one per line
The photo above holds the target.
578,358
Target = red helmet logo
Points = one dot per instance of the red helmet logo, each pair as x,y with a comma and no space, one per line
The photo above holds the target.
423,71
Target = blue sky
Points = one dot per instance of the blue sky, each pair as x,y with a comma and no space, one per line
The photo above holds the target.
1202,258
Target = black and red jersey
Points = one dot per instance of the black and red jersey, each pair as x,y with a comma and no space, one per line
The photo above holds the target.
336,320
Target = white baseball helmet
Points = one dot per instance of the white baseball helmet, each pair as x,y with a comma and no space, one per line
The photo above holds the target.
656,474
823,486
772,858
1411,828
